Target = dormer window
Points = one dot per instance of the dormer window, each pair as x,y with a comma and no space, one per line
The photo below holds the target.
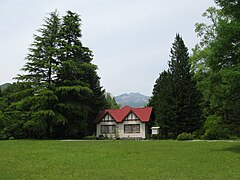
107,118
131,117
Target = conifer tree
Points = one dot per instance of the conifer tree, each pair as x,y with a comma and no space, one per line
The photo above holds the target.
186,96
63,85
41,61
162,101
78,86
111,102
176,99
40,74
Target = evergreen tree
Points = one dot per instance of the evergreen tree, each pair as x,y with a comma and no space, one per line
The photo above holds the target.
111,102
186,95
60,91
162,101
15,103
176,99
78,86
40,73
41,61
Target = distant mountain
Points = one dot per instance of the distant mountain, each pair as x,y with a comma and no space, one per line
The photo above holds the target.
4,86
132,100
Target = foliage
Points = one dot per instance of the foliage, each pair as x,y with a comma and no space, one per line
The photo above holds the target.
230,7
198,133
59,93
216,63
176,99
111,102
78,71
4,86
214,129
184,136
161,100
93,137
11,138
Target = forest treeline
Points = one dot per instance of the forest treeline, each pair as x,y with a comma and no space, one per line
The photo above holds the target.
200,94
59,94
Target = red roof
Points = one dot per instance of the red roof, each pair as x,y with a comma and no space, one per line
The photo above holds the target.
120,114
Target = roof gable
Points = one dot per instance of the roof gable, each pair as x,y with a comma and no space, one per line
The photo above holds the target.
143,114
119,115
131,116
107,117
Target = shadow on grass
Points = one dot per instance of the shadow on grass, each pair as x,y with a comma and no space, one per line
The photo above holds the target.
235,148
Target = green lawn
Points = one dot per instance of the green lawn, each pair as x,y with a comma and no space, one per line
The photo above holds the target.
53,159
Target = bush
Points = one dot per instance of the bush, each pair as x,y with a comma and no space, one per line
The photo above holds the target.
234,138
11,138
156,136
90,137
184,136
215,134
198,134
4,134
214,128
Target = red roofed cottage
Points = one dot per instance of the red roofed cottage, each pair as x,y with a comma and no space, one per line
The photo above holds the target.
125,123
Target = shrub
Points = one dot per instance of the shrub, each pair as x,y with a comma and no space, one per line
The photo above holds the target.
156,136
4,134
215,133
198,134
214,128
11,138
234,138
184,136
90,137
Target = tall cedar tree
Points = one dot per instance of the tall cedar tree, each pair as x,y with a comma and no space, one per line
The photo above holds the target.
41,69
187,98
78,87
175,96
61,85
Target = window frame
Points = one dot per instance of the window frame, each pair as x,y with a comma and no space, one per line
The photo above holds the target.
110,129
132,127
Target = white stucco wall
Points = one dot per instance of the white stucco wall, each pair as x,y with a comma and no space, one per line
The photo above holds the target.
120,129
104,123
132,135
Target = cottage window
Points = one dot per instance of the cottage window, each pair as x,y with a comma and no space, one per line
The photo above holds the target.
107,118
132,128
131,117
108,129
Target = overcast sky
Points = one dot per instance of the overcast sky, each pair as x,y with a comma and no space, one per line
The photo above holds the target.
130,39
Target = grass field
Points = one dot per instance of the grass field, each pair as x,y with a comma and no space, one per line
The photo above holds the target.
35,159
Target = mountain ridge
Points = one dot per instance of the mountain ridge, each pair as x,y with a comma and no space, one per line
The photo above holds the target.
132,99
